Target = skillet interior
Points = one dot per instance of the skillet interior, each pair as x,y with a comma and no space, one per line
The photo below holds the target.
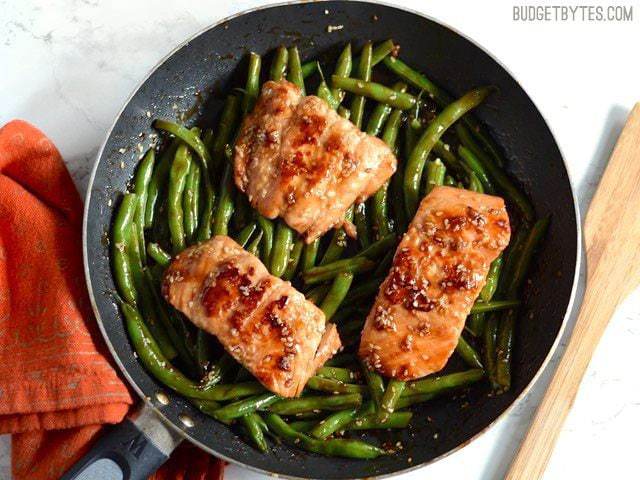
208,65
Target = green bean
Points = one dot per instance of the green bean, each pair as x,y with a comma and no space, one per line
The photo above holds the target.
375,383
234,410
416,79
338,241
364,290
178,340
203,349
343,375
504,349
379,248
340,359
343,69
443,383
243,237
348,311
291,406
218,371
435,174
390,398
449,181
489,289
442,98
145,300
157,364
226,126
468,353
410,400
335,447
120,233
315,295
294,73
158,180
397,201
377,119
474,165
252,86
225,207
411,135
279,64
350,331
497,175
333,423
344,112
433,133
282,244
252,423
494,305
381,51
177,181
266,226
375,91
362,224
141,182
303,426
521,264
242,212
324,92
195,143
254,247
443,150
371,421
191,200
392,127
327,272
364,75
294,260
309,255
309,68
490,335
475,185
159,256
206,406
328,385
336,294
504,341
476,323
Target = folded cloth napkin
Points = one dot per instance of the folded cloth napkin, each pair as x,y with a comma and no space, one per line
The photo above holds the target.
57,384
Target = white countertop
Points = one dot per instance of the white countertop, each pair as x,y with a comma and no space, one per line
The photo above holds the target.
67,66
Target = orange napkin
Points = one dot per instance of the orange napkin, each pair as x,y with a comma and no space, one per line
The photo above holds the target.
57,384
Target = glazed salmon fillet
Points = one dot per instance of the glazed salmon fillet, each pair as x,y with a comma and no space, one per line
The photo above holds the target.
438,270
296,158
262,321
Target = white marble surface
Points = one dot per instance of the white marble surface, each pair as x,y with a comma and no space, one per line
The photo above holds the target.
68,65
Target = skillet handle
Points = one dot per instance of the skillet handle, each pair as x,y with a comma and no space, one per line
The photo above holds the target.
131,450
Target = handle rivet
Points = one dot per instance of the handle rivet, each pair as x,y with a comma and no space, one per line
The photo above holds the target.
186,420
162,398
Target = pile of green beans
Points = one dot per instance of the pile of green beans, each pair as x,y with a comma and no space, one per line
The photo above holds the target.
183,192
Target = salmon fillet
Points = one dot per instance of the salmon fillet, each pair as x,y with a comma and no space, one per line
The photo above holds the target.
297,158
262,321
438,270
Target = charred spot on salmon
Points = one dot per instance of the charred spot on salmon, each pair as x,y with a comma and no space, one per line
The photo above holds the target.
221,288
457,277
311,127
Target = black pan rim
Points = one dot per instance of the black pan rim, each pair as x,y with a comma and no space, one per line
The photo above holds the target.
185,434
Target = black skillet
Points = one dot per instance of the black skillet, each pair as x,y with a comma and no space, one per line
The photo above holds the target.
210,64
